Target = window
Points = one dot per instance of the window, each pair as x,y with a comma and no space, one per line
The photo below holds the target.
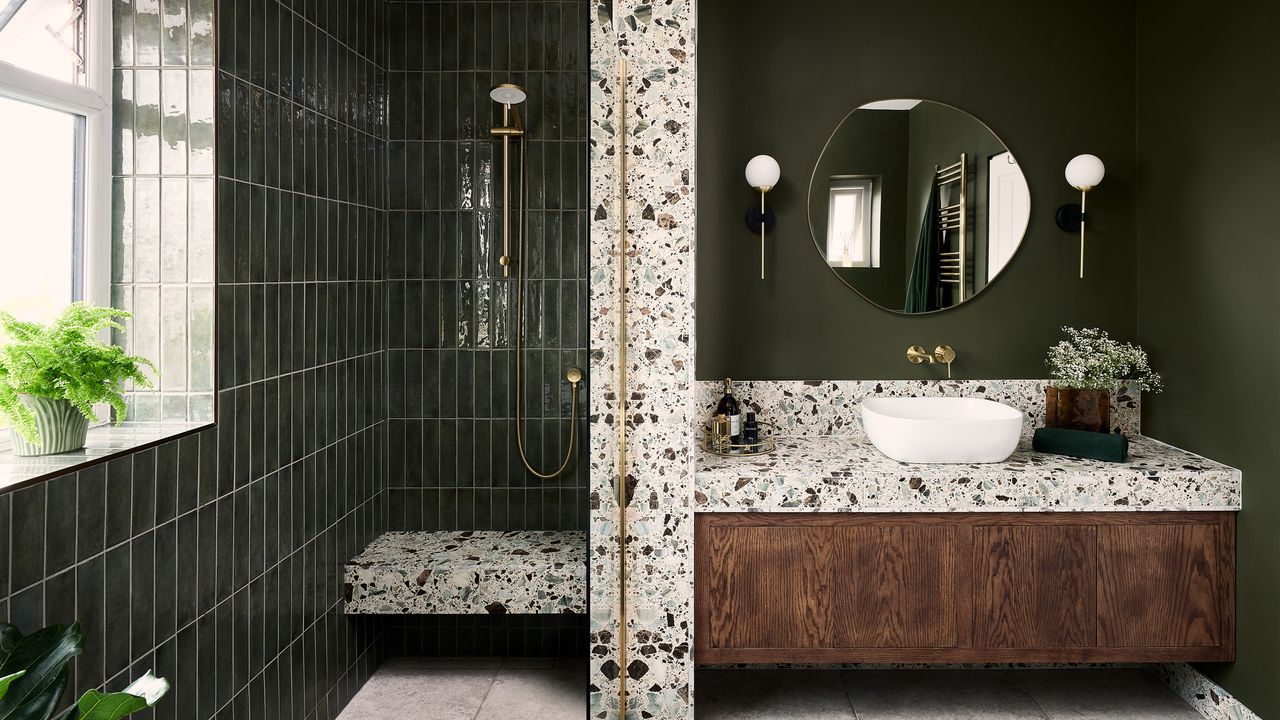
853,222
55,135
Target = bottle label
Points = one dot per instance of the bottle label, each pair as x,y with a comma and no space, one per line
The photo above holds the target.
735,425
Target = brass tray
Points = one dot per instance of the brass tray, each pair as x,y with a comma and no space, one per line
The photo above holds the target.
720,445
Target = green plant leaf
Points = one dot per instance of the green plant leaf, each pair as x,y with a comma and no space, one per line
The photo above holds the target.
94,705
139,695
44,656
7,679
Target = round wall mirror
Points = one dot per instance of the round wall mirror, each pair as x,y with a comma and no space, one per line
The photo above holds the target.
916,205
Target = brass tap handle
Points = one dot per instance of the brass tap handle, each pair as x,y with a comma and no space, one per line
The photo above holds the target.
945,354
917,354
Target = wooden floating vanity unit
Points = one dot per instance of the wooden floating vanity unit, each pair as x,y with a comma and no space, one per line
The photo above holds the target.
965,587
813,556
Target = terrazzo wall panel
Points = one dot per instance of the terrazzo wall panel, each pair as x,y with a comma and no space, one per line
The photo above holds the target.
657,42
217,558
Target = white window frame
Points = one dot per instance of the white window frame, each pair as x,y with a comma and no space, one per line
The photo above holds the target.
866,189
92,101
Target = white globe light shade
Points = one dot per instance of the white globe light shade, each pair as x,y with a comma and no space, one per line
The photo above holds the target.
763,172
1084,172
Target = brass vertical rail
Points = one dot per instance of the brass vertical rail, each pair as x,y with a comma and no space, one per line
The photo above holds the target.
506,193
622,389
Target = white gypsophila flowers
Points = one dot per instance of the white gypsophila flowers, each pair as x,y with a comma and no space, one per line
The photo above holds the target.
1090,360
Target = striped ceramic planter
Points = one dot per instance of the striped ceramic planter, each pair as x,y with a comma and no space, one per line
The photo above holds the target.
62,428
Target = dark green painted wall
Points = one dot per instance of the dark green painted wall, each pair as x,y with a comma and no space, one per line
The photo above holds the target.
779,82
1209,265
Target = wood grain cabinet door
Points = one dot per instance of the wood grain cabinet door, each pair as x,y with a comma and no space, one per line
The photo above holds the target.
785,586
767,587
896,587
1035,586
1165,586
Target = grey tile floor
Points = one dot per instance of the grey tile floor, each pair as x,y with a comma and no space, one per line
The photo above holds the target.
472,689
496,689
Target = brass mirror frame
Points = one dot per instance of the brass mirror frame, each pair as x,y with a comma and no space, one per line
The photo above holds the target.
813,235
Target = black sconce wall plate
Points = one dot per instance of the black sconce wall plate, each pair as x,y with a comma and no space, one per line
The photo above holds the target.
1069,217
755,217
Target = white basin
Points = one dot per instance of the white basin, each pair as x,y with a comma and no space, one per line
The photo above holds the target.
942,429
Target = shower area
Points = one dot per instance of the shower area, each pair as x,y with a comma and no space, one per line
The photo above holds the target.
478,578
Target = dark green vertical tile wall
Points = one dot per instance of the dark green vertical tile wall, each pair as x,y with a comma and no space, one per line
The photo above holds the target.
451,314
217,558
451,365
1207,274
776,78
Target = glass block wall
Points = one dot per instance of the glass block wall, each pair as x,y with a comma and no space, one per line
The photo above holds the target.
162,192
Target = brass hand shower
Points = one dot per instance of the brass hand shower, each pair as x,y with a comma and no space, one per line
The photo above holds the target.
509,95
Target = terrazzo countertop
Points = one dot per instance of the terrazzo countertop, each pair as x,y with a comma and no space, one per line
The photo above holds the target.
469,572
833,473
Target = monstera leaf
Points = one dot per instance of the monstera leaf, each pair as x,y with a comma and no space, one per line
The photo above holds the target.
42,659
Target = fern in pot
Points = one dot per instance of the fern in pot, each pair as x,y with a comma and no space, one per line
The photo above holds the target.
52,376
1084,369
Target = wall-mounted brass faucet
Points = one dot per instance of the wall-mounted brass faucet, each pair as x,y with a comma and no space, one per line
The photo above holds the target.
941,354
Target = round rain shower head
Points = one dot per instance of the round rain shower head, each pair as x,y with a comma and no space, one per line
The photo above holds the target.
508,94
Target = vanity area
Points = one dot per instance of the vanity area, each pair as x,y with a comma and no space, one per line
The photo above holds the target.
950,521
828,551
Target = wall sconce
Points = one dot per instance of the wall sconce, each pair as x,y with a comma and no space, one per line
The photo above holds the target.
762,174
1084,172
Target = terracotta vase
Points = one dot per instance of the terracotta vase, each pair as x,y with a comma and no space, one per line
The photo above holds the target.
1078,409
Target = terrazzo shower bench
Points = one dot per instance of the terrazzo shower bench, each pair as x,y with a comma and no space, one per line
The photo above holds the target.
471,572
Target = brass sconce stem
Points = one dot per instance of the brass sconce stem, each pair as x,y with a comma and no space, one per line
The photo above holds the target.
1083,196
762,192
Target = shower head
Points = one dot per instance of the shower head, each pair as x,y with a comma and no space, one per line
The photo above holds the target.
508,94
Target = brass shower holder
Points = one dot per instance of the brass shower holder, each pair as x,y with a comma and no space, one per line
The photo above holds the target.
716,440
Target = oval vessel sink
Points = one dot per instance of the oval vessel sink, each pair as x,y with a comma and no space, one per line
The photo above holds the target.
942,429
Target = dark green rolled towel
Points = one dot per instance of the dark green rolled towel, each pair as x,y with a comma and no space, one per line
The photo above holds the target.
1081,444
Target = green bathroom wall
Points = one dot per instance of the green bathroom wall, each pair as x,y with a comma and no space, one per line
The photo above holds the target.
779,82
1209,261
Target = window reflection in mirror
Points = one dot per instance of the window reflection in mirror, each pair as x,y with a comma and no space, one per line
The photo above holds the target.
917,205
